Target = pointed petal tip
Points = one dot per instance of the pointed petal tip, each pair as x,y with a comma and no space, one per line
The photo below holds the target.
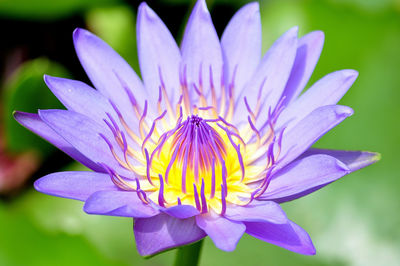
200,7
142,5
294,30
17,115
350,75
20,117
309,251
145,12
76,33
343,111
251,8
80,33
45,185
377,156
374,157
49,80
37,186
317,34
291,35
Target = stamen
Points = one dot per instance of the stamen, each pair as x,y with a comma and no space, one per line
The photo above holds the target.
152,129
141,194
161,198
196,157
196,197
212,193
255,131
224,179
184,89
171,162
213,93
148,167
223,200
264,185
253,116
142,120
130,95
204,208
185,161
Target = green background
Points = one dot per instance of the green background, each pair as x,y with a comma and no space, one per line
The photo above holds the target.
354,221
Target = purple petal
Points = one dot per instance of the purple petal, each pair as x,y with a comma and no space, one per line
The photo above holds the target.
303,177
180,211
36,125
118,203
327,91
271,75
74,185
163,232
311,128
308,51
79,97
354,160
83,133
157,51
201,49
289,236
241,45
109,72
257,211
224,233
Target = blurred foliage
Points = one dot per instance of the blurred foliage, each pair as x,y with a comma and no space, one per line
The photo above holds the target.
26,91
352,222
47,9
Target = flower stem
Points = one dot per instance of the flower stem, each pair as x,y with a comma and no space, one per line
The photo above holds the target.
188,255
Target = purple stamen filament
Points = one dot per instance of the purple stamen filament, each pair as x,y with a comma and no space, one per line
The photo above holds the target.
208,152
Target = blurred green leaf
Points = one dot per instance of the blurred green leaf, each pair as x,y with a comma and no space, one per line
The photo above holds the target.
116,26
47,9
25,242
26,91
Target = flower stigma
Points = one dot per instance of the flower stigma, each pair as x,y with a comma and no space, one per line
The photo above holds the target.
201,159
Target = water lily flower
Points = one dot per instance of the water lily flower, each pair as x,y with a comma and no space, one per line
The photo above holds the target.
209,142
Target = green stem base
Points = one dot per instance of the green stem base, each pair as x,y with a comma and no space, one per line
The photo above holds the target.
188,255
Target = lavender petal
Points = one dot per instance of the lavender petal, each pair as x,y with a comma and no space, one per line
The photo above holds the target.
289,236
84,134
327,91
241,45
163,232
34,123
311,128
159,55
118,203
80,97
201,49
304,176
224,233
257,211
271,75
180,211
108,71
74,185
354,160
308,51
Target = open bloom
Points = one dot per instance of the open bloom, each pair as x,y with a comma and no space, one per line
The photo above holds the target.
209,142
